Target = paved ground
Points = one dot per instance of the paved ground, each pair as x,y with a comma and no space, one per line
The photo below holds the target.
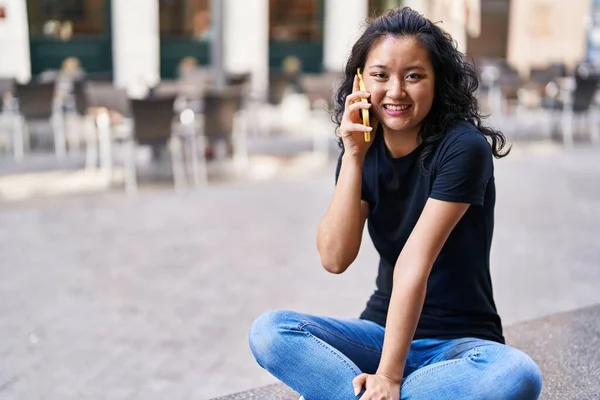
109,297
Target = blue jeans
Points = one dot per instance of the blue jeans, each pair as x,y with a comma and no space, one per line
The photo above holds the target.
319,356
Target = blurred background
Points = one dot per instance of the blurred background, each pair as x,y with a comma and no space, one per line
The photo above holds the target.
164,165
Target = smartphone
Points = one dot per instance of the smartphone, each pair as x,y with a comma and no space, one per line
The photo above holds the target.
364,113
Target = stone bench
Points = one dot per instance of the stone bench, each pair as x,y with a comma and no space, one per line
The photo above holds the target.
566,346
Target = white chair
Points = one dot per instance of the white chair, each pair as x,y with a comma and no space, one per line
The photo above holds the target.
9,121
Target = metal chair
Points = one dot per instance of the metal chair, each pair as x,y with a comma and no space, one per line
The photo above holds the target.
36,102
7,87
220,109
79,96
278,85
105,95
320,88
100,77
9,120
579,99
153,125
112,106
79,124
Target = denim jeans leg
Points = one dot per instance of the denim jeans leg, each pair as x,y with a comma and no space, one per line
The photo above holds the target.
489,370
316,356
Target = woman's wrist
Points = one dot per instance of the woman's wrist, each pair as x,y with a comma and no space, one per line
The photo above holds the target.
352,159
392,376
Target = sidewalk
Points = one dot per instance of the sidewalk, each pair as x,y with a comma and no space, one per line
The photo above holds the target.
108,297
41,175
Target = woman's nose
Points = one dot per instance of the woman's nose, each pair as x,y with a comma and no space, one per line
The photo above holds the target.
396,89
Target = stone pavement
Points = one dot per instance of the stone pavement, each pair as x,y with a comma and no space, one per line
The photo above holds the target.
108,297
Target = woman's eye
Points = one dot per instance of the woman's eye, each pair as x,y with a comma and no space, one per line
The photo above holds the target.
379,76
414,76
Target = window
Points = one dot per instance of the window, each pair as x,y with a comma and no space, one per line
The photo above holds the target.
186,18
63,19
295,20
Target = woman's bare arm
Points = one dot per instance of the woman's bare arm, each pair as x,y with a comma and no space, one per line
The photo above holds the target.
412,269
340,232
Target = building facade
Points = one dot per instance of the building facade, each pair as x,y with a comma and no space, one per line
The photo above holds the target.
546,31
137,43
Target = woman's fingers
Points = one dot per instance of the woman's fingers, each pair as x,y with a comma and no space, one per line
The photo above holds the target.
358,106
349,128
355,102
358,383
353,111
356,97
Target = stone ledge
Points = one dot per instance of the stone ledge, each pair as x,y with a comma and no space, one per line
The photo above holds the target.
277,391
566,346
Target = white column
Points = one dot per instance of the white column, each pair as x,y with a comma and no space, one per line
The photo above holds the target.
344,21
15,61
458,22
417,5
246,40
136,45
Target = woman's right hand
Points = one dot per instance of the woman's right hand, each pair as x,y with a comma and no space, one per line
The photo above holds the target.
352,130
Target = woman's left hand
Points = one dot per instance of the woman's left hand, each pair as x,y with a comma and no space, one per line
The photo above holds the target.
377,387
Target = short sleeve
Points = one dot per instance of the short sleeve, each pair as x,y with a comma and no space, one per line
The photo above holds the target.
363,194
463,169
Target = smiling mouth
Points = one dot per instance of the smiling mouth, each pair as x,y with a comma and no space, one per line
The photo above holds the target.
391,107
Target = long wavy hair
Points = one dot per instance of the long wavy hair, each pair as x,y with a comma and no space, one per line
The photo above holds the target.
455,78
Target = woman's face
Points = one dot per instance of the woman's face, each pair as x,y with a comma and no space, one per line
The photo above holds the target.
399,75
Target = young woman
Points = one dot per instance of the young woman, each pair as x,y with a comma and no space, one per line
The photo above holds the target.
425,184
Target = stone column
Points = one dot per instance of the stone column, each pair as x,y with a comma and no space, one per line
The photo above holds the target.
15,61
136,45
344,21
246,40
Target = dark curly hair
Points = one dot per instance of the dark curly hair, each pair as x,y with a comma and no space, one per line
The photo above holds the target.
455,78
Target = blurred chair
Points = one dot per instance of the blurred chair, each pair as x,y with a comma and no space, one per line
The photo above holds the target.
533,94
153,125
510,83
80,98
36,102
7,87
501,82
220,112
164,89
279,83
544,75
108,96
110,109
9,129
79,122
579,102
243,83
99,77
320,88
268,117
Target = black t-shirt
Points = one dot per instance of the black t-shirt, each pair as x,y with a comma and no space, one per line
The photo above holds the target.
459,300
